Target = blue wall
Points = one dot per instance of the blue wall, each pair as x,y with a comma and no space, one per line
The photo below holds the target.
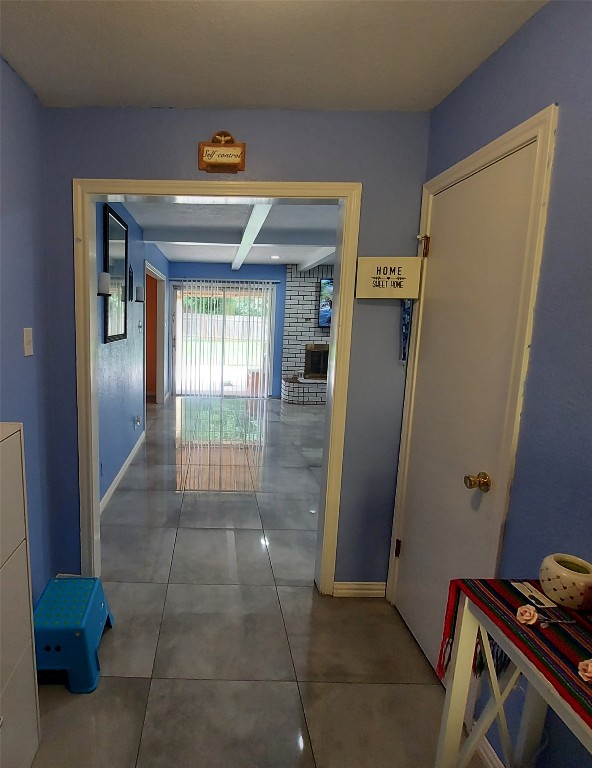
548,60
162,144
120,364
182,270
25,394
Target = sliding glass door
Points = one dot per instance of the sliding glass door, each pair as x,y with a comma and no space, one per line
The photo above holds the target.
223,338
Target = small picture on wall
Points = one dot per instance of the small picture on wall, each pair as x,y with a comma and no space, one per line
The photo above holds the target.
325,302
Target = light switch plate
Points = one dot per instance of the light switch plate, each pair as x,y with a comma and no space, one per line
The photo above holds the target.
28,341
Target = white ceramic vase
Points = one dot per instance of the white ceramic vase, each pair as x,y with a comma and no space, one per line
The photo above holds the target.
567,580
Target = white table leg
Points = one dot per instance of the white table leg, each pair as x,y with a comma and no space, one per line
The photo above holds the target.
532,724
461,669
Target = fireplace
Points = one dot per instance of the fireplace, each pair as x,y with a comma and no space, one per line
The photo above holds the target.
316,359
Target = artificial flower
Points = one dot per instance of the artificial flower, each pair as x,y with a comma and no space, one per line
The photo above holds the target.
585,670
526,614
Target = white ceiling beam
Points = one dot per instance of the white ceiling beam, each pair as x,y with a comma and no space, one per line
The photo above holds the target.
256,221
318,256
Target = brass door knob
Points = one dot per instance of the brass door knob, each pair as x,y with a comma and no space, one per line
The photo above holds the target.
482,481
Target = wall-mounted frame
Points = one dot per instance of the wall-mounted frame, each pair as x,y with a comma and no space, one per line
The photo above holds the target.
115,262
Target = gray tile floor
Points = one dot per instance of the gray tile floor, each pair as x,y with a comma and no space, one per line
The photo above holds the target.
223,654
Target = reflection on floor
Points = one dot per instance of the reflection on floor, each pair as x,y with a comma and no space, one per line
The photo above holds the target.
223,654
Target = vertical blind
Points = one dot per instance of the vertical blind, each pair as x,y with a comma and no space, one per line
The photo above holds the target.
223,337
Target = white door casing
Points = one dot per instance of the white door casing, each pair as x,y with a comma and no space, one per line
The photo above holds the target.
467,366
86,193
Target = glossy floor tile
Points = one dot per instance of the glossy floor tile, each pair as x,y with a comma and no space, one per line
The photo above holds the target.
219,724
284,479
396,724
224,633
220,510
350,640
215,556
129,647
292,555
220,478
134,553
281,511
223,654
94,730
277,456
154,477
155,509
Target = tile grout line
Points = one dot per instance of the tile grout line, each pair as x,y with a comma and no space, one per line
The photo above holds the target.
277,594
158,636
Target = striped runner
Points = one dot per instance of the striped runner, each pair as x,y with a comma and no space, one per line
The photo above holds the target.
555,651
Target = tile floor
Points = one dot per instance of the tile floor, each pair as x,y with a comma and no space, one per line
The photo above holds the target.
223,654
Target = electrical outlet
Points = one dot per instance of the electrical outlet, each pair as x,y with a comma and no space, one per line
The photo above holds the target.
137,421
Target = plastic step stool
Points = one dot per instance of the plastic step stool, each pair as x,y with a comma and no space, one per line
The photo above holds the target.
69,619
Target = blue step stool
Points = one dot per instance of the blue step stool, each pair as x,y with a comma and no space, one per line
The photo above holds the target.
69,620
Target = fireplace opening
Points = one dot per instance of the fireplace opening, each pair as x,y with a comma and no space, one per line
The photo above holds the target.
316,359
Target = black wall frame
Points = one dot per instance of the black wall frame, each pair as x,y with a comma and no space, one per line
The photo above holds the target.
115,262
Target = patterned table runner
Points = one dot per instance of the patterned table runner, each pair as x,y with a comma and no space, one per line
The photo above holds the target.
555,651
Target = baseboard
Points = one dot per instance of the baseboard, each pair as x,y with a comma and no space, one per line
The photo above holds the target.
117,479
359,589
489,756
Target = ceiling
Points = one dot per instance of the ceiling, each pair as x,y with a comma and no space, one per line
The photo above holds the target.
291,54
286,232
404,55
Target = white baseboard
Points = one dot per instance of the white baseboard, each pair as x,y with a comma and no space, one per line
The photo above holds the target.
117,479
489,756
359,589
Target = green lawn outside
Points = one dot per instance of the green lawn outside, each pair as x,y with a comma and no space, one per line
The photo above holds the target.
236,352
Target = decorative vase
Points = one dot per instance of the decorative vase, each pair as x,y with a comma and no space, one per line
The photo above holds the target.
567,580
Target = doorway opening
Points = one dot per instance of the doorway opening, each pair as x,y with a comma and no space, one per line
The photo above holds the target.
346,197
155,337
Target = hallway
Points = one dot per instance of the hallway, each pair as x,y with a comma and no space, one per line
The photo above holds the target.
223,654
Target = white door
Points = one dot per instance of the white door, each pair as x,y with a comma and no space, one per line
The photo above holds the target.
467,383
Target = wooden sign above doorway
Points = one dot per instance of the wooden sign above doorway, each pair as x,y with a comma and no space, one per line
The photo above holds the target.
222,154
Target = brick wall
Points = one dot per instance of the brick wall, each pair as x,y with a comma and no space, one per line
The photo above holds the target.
301,321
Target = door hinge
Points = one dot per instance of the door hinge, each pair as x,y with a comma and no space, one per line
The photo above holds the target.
397,547
425,239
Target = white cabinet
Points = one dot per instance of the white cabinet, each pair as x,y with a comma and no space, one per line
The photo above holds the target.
19,709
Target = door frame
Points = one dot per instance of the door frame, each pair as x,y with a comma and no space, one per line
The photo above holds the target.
539,129
88,192
161,282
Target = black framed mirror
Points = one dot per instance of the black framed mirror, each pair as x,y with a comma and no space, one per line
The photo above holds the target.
115,258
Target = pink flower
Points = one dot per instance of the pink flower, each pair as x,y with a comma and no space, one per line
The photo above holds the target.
526,614
585,670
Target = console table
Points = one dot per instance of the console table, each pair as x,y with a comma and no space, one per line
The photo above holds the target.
548,658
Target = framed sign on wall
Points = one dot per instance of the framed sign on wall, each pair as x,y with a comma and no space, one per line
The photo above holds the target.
389,277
